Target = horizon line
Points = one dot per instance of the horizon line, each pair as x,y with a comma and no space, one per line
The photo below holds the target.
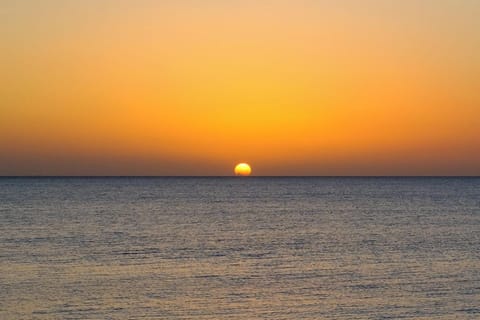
241,177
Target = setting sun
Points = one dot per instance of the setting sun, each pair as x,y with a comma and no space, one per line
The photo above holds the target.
242,169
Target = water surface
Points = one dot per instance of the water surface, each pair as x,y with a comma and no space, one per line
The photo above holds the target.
239,248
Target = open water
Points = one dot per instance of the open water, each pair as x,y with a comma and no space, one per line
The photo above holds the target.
240,248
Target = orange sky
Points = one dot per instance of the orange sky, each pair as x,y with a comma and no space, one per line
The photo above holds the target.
297,87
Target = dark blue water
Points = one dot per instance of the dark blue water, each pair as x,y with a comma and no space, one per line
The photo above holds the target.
239,248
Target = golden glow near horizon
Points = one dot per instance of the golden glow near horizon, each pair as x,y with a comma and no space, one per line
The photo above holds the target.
242,169
185,88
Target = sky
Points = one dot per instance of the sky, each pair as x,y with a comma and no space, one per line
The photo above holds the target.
190,87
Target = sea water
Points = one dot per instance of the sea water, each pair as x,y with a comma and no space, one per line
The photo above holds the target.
239,248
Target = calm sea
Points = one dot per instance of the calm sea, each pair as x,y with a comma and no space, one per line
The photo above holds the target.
239,248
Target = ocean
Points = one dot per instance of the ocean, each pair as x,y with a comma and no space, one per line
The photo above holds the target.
239,248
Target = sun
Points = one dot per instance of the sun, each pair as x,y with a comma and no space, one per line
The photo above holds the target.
243,169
